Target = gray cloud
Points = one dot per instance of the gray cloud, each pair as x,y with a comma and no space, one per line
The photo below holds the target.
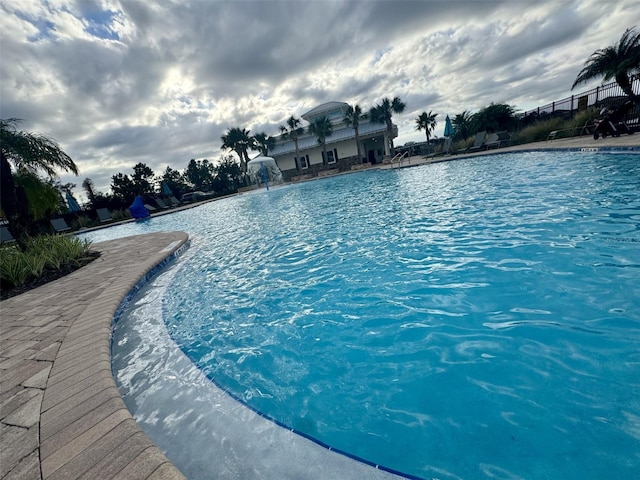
121,82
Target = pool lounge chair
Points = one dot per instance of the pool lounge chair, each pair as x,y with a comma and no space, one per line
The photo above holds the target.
104,215
60,225
478,143
5,235
174,201
160,203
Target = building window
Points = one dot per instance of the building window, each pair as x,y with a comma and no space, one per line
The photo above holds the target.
332,156
304,161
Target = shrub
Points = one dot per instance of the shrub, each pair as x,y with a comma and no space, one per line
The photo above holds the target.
44,253
539,132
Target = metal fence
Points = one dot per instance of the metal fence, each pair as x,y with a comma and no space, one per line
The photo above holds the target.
609,95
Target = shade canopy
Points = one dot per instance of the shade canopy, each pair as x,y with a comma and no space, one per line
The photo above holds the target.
448,127
166,190
72,203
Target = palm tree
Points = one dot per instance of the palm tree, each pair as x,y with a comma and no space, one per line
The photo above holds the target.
352,118
383,112
427,122
262,143
293,130
30,153
462,125
616,61
321,127
238,140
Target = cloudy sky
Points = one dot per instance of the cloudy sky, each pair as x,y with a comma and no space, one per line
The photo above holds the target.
117,82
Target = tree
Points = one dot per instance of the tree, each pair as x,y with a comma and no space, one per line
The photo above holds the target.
31,153
43,198
228,176
262,143
90,189
383,112
175,180
143,179
352,118
617,62
321,127
494,118
123,187
238,140
427,122
293,130
140,183
462,125
201,174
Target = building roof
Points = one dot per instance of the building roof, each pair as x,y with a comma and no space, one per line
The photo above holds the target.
324,108
307,141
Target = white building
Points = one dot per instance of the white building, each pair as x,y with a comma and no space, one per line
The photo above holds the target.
341,146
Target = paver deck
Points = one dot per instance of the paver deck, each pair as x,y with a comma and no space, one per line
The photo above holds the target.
61,416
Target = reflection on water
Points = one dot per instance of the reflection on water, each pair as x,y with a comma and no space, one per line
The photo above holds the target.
489,307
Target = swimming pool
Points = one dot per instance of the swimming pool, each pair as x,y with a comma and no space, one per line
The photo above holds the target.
471,319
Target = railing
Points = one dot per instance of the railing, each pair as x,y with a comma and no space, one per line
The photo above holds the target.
399,157
609,95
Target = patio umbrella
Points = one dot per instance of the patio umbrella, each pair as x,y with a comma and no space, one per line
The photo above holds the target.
448,128
72,203
166,190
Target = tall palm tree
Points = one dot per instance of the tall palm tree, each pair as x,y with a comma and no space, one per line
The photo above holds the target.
238,140
616,61
427,122
31,153
352,118
262,143
383,112
293,130
462,125
321,127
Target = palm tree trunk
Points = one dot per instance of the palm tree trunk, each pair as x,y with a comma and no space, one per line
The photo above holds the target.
15,205
624,82
298,161
390,138
358,146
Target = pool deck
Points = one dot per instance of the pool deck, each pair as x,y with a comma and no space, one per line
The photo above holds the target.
575,143
61,415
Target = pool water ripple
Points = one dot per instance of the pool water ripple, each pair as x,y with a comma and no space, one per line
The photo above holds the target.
472,319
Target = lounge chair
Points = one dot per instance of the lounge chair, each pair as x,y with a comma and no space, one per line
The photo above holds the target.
478,143
160,203
492,141
60,225
174,201
5,235
104,215
149,207
505,139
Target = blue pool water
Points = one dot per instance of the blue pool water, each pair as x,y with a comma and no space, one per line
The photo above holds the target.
470,319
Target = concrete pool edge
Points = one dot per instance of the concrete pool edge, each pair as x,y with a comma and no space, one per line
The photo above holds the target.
62,415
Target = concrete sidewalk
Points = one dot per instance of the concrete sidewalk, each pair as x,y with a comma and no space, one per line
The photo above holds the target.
61,415
629,142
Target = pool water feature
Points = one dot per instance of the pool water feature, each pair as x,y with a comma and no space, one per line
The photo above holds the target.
471,319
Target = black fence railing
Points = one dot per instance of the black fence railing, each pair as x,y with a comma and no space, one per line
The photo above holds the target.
609,95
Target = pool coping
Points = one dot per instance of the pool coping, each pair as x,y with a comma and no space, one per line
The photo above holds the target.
61,415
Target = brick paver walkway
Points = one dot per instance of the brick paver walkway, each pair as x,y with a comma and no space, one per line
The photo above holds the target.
61,416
